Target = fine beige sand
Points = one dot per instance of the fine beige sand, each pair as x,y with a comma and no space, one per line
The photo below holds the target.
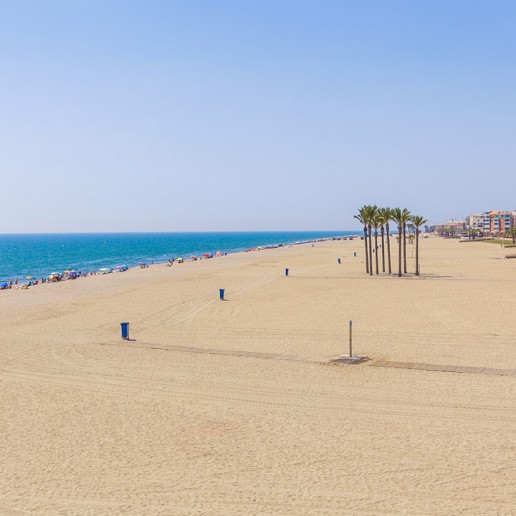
235,408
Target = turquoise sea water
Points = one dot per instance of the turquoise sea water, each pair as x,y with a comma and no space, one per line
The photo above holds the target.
39,255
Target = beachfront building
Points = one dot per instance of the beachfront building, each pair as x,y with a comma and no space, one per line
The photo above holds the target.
490,222
493,223
505,221
498,222
450,228
475,222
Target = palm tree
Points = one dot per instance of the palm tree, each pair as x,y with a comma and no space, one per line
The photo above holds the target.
388,218
376,224
405,219
418,221
512,233
362,218
369,215
383,218
398,217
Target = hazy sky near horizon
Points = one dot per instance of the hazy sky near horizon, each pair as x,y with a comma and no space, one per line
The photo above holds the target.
218,115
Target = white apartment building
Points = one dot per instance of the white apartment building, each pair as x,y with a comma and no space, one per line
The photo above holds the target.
475,222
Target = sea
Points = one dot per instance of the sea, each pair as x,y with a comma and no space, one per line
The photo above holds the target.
38,255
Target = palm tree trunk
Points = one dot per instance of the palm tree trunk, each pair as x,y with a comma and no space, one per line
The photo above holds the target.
405,247
400,236
388,248
376,248
383,247
370,251
366,255
514,238
417,252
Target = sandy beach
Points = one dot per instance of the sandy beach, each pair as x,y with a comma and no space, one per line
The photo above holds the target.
235,406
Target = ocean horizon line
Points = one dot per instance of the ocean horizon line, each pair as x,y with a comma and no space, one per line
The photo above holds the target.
200,232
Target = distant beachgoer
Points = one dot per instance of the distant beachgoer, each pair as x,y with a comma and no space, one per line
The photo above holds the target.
16,282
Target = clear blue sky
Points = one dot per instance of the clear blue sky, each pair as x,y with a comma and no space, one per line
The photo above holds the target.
253,114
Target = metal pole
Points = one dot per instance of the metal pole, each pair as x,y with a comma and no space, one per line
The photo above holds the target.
350,339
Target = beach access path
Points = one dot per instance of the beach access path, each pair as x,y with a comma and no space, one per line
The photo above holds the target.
235,406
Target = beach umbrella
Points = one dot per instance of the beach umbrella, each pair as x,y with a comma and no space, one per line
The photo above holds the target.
30,277
4,285
66,271
104,269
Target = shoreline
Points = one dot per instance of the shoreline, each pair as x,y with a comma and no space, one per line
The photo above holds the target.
15,284
161,259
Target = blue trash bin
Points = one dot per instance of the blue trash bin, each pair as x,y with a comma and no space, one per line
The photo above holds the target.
221,293
125,330
286,272
338,259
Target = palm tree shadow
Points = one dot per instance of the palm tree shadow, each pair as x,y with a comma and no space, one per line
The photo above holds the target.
359,278
436,276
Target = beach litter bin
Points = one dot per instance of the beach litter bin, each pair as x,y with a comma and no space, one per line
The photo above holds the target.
221,293
125,330
286,272
338,259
